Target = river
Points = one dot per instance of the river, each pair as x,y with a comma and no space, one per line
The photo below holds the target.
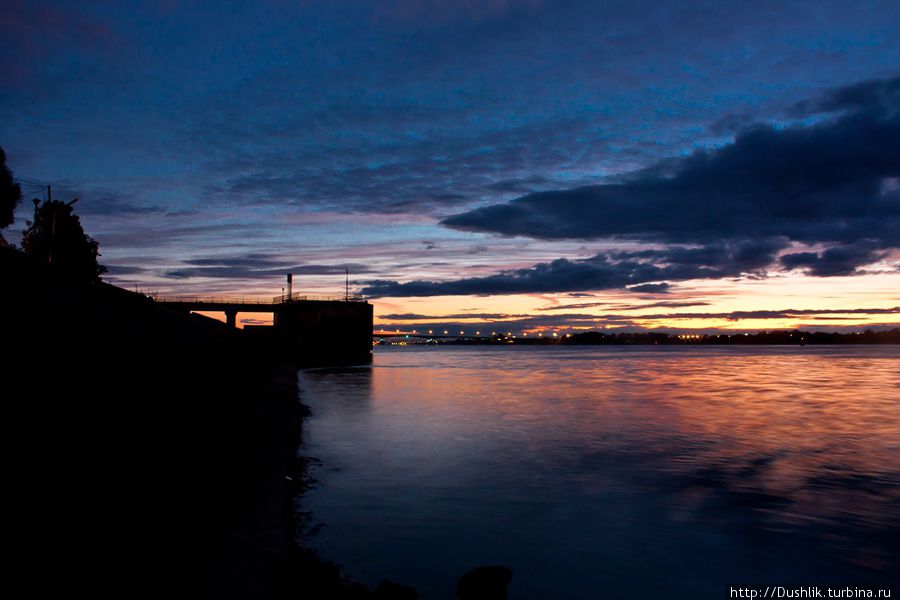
638,472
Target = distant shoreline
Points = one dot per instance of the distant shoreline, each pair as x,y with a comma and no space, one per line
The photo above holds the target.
596,338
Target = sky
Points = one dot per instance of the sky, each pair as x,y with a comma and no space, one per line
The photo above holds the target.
508,165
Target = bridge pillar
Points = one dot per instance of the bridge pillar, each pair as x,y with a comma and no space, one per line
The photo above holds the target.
231,318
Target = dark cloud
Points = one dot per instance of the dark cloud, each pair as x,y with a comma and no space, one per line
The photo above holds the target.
838,260
416,317
252,261
651,288
182,212
818,183
255,266
793,313
876,95
390,174
787,313
664,304
155,236
825,184
525,184
574,306
603,271
101,202
559,275
125,270
731,124
748,254
110,204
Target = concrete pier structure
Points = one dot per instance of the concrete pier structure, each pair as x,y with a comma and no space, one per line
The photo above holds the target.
312,330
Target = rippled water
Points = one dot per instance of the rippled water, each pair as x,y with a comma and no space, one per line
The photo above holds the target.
610,472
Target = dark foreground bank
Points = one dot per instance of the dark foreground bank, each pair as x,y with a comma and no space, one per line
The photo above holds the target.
147,450
152,454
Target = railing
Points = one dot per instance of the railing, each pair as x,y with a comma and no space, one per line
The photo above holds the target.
296,297
212,299
254,299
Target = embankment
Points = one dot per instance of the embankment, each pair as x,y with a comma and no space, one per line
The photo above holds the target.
146,451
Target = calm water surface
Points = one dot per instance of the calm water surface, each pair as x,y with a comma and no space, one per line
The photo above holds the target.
610,472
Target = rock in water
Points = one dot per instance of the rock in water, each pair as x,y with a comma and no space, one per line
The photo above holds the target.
484,583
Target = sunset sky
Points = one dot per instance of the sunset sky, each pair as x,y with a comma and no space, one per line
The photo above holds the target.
499,165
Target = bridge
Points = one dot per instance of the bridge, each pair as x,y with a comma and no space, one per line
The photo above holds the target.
232,305
328,329
479,337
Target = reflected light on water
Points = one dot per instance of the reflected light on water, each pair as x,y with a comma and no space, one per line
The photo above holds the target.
632,471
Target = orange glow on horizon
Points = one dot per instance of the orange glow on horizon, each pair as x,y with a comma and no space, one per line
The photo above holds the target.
713,298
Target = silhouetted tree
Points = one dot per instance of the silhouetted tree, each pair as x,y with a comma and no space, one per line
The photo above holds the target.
10,193
56,239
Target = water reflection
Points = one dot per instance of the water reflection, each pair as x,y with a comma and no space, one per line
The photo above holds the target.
355,397
617,471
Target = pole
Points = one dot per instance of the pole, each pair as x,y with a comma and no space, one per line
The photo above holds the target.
52,225
347,286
